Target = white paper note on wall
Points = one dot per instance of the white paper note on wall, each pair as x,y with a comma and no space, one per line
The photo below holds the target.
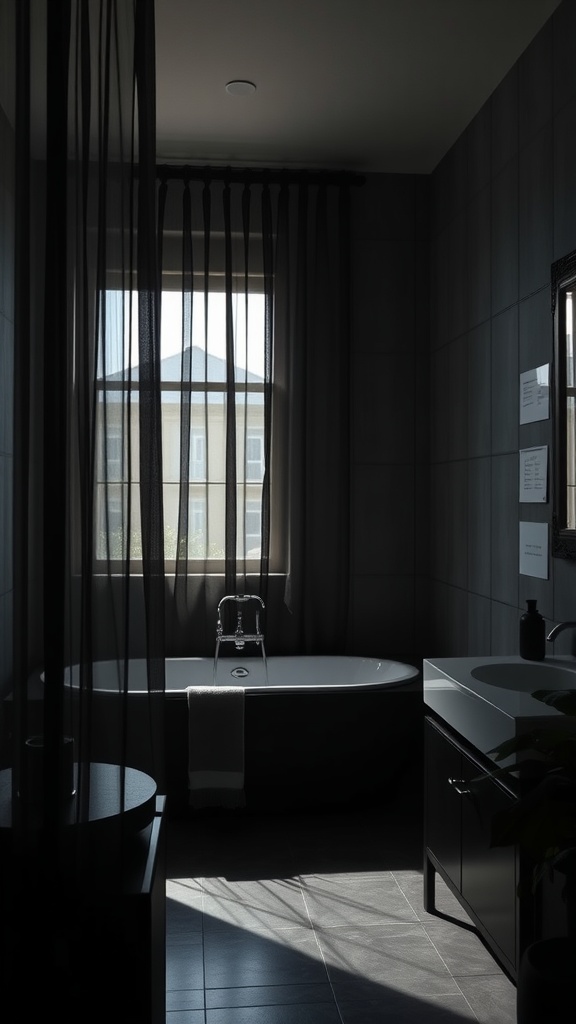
535,394
533,484
534,550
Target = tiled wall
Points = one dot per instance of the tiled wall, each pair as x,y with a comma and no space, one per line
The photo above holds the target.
503,207
389,361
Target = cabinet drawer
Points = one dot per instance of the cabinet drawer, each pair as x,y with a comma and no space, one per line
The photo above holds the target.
488,874
443,805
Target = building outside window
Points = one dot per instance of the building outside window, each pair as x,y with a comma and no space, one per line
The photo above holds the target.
203,387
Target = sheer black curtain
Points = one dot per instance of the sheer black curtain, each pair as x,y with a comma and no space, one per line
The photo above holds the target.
85,168
255,381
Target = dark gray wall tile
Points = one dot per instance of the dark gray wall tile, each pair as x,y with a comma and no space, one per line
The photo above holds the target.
564,53
478,243
384,207
504,117
383,294
504,240
479,639
504,538
456,515
440,421
383,407
504,628
505,381
451,186
564,178
439,523
479,526
564,589
395,634
535,330
479,389
383,517
457,319
458,398
450,621
535,85
479,133
536,212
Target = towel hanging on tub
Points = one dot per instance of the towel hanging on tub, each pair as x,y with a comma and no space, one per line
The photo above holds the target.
216,746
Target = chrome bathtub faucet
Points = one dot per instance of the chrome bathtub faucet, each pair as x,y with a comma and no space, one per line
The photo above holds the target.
240,638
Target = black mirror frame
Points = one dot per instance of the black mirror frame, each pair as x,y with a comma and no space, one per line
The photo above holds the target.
563,539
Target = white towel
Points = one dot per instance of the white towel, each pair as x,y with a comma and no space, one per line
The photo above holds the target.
216,746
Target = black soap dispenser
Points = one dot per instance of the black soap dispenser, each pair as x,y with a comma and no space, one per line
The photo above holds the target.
532,634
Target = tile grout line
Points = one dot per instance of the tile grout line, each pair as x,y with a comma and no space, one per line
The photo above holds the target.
303,894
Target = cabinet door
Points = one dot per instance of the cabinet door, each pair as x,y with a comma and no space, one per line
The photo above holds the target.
488,874
442,822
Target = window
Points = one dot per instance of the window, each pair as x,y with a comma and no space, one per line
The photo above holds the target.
194,398
253,528
198,454
255,455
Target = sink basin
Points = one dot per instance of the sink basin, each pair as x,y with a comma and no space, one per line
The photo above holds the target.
528,677
490,700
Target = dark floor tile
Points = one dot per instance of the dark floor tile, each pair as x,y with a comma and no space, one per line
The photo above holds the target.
241,958
185,967
269,995
386,1006
186,1017
184,921
316,1013
185,999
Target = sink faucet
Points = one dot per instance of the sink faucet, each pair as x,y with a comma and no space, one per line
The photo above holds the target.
560,629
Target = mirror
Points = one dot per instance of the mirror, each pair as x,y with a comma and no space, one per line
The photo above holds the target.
564,491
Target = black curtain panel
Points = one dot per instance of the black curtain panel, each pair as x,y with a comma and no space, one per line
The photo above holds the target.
254,381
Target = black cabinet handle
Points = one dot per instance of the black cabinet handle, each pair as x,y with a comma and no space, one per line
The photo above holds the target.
460,786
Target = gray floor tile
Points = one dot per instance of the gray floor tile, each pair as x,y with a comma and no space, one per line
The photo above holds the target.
412,886
400,956
355,899
463,951
271,904
493,999
314,919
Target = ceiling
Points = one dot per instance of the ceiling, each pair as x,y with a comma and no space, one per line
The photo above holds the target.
364,85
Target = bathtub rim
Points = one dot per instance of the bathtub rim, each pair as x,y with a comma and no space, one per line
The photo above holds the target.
411,678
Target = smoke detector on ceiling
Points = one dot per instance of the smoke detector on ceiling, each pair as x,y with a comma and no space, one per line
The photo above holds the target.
240,87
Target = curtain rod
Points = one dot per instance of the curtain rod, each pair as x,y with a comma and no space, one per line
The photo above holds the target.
250,175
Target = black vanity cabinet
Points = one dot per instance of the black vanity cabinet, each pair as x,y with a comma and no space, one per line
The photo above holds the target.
457,826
